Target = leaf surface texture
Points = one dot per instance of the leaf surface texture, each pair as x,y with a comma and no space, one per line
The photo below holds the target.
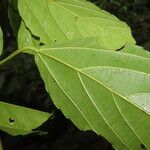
98,90
64,20
18,120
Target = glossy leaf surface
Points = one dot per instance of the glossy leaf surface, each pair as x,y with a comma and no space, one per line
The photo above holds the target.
17,120
100,90
63,20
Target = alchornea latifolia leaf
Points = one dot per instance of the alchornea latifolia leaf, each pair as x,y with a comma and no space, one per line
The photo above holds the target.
64,20
95,87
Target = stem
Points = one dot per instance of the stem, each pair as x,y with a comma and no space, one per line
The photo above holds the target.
15,53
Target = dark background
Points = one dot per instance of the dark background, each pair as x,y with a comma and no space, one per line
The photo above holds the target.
20,84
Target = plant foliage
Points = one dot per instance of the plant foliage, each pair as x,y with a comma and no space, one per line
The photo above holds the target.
63,20
101,90
17,120
1,41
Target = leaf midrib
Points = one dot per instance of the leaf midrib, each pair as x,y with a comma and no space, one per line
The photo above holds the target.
96,49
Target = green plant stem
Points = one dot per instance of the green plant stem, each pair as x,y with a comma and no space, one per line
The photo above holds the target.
15,53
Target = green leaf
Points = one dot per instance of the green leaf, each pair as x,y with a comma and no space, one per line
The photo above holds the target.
14,17
98,90
17,120
64,20
25,37
136,50
1,41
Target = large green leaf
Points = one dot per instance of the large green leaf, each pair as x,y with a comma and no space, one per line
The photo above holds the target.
104,91
17,120
1,41
63,20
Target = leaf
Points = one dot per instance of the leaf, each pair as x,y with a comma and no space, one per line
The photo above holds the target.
85,42
1,41
142,100
94,87
14,17
64,20
137,50
25,37
17,120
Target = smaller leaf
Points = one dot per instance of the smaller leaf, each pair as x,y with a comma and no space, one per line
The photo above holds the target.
14,16
73,19
18,120
25,38
1,41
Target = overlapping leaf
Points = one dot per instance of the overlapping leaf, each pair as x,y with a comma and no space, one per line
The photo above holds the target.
100,90
136,50
13,15
1,41
25,37
63,20
17,120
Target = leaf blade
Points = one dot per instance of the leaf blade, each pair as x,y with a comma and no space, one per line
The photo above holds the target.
25,37
80,19
17,120
14,17
77,78
1,41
